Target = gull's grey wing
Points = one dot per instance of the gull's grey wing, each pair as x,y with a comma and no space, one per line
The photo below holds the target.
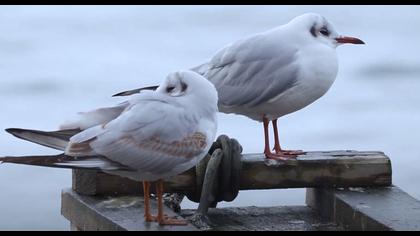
252,71
152,136
99,116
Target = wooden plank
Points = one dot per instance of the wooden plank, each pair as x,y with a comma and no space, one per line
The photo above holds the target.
274,218
315,169
371,208
118,213
318,169
121,213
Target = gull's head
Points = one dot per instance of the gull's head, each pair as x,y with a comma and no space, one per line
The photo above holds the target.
190,86
320,29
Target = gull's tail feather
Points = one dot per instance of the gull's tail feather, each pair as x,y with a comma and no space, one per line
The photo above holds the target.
53,139
65,161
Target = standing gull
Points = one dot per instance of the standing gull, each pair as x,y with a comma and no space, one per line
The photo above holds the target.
153,136
274,73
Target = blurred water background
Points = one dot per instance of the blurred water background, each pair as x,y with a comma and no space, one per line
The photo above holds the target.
58,60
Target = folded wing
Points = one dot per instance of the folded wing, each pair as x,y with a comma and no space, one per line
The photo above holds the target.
154,137
251,71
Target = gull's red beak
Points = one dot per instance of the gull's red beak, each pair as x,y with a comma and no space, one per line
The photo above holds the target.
345,39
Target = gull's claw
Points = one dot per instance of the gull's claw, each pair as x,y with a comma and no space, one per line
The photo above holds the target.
172,221
291,152
279,156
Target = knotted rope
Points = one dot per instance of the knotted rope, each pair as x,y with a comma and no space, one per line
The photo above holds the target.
217,178
217,175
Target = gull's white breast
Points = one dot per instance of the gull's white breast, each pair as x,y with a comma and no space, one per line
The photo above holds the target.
318,70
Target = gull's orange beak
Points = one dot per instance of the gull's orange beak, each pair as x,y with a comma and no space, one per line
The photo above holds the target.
345,39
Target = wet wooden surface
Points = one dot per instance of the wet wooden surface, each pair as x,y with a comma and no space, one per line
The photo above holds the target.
275,218
116,213
355,208
125,213
368,208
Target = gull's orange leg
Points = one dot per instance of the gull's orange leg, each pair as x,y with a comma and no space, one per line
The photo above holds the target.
146,191
277,148
267,152
266,138
161,218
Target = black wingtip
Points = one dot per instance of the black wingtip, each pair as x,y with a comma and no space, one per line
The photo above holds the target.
134,91
13,130
121,94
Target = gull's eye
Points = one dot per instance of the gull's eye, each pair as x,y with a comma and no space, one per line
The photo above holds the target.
170,88
324,31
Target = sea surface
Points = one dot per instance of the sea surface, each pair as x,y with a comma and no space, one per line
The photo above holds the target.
59,60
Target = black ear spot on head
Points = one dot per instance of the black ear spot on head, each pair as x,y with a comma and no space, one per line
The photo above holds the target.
169,88
184,86
313,30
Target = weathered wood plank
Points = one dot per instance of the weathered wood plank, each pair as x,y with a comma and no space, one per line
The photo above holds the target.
275,218
119,213
318,169
373,208
126,213
315,169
